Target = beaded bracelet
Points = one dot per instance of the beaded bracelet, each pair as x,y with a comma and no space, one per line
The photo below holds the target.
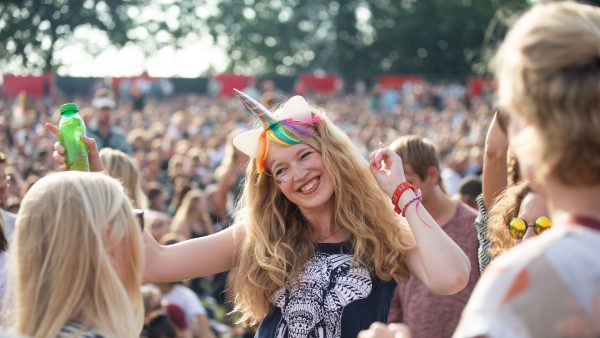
400,189
417,199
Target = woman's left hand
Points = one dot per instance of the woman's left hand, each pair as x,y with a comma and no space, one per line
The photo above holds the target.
386,167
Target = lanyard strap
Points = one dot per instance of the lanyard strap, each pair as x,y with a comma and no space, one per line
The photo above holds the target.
584,221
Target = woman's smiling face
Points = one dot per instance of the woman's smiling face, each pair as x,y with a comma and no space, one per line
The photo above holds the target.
300,173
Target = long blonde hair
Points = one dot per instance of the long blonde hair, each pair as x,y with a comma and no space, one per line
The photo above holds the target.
548,71
66,233
120,166
277,240
187,214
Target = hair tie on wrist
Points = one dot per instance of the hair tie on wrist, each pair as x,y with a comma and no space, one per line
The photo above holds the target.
418,199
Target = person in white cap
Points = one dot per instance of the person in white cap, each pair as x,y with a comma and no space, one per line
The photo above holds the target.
106,134
317,244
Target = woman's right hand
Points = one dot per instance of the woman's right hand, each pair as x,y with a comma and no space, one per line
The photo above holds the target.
386,167
59,152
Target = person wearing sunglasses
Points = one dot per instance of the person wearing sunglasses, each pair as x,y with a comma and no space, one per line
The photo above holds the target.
548,74
516,215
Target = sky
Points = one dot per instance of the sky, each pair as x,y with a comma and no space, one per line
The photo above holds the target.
195,57
198,52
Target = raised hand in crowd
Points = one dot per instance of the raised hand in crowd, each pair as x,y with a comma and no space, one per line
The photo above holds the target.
59,151
495,159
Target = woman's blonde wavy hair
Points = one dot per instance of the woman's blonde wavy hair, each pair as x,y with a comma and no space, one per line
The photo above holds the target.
120,166
506,207
74,232
548,71
278,239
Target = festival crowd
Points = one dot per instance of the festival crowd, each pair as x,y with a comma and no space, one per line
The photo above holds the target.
439,212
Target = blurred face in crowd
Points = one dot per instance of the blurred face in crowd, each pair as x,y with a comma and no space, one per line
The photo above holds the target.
532,207
158,202
158,228
425,185
103,116
201,205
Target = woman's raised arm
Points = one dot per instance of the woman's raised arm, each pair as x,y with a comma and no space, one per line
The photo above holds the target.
437,260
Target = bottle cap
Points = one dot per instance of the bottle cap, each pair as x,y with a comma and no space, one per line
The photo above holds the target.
68,108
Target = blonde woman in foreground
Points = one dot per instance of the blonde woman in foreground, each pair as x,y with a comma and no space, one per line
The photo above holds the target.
76,261
317,245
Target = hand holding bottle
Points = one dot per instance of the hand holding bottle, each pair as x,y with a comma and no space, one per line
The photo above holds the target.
59,151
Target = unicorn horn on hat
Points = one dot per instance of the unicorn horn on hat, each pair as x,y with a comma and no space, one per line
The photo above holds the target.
285,127
260,112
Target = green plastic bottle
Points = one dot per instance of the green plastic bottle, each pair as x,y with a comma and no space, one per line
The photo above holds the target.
70,129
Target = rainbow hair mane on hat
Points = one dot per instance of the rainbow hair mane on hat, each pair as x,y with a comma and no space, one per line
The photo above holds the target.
285,127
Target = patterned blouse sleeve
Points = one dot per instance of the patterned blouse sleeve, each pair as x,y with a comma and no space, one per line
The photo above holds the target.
483,252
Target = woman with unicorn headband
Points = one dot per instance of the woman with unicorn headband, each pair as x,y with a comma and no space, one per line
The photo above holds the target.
316,243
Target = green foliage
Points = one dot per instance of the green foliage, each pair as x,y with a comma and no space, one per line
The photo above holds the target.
29,29
355,38
439,37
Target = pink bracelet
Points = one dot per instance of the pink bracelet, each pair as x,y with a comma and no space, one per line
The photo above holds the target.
417,199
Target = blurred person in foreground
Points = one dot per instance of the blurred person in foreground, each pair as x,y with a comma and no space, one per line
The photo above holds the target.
315,221
428,314
76,261
548,72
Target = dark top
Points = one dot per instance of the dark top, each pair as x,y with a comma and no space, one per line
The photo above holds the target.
115,139
333,298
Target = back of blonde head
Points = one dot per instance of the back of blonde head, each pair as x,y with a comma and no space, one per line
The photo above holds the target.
278,240
67,228
548,71
120,166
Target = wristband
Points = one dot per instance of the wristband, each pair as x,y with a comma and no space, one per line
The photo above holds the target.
400,189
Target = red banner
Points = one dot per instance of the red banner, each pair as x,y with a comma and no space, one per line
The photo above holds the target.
478,85
230,81
320,84
396,81
33,85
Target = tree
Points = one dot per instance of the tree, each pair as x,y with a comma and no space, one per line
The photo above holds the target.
287,36
356,38
435,37
30,29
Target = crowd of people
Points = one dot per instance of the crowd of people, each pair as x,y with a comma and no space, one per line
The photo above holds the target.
266,214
